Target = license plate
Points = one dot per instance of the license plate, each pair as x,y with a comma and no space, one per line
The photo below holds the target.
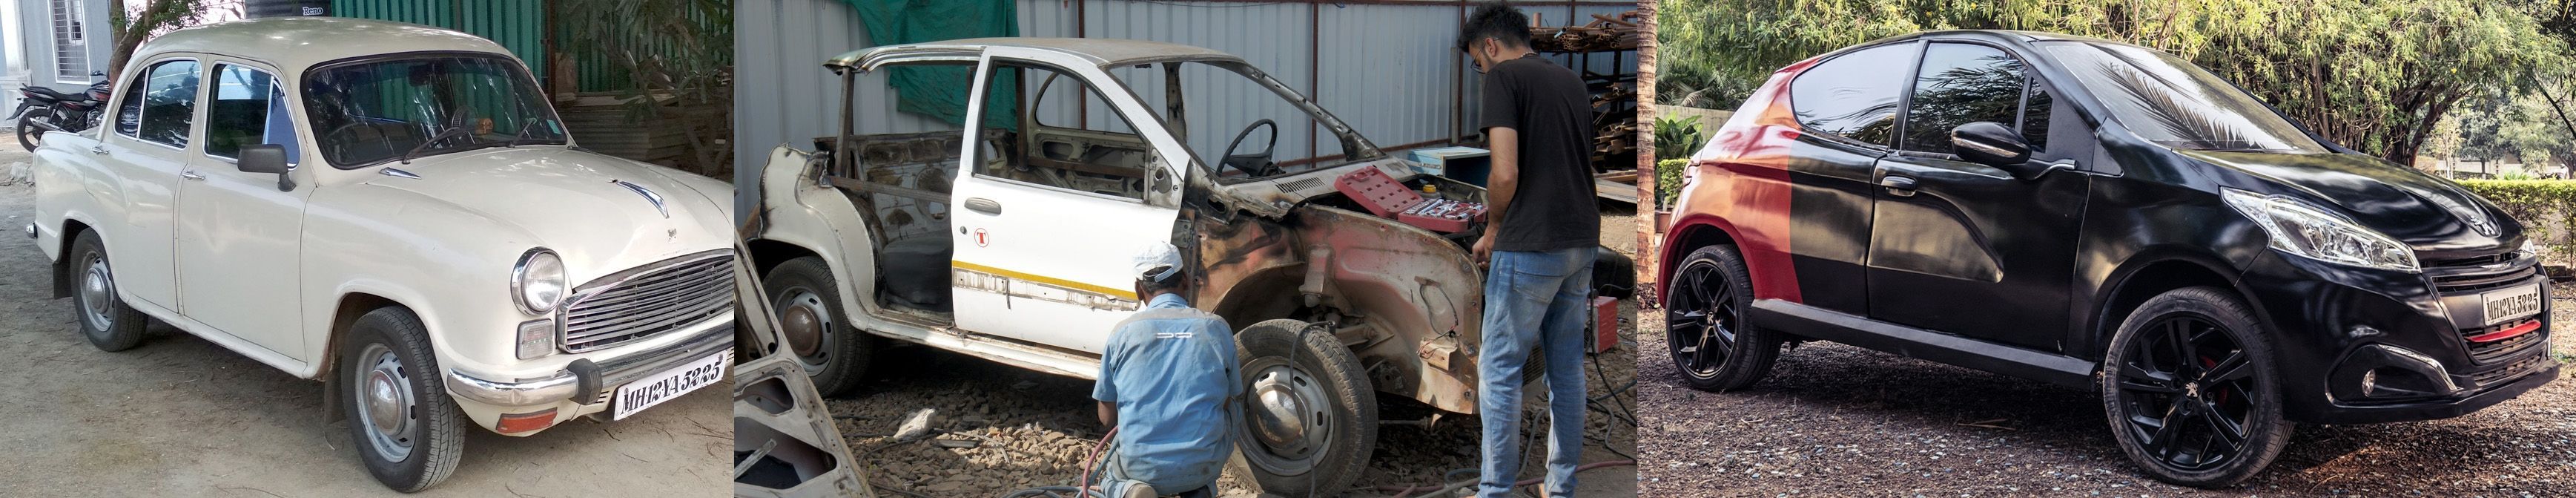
662,386
2512,303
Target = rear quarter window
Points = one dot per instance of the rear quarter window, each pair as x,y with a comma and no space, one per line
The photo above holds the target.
1854,95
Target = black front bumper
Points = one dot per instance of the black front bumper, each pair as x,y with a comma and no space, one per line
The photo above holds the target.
2368,346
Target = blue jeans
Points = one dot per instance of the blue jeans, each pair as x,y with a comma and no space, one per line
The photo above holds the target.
1533,299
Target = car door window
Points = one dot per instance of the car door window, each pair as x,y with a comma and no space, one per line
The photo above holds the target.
247,108
1058,132
2037,106
160,105
1853,95
1961,83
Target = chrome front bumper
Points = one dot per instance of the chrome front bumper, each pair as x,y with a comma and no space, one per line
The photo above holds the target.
584,381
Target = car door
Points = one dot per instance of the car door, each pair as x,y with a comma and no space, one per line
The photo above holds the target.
1847,107
1055,198
238,234
1968,249
145,152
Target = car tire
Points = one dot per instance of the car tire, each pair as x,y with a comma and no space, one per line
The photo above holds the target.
104,318
814,328
401,421
1710,300
2185,366
30,136
1306,365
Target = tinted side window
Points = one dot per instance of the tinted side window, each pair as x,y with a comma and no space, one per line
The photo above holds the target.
1854,94
169,103
2037,105
1959,84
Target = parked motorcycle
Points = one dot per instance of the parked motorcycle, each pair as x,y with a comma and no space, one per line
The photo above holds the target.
44,109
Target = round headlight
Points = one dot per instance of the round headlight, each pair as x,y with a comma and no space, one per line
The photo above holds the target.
537,282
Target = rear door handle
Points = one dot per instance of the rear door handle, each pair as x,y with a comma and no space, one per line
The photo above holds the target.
1900,185
192,175
983,205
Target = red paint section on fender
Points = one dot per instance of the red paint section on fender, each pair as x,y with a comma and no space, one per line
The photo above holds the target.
1740,185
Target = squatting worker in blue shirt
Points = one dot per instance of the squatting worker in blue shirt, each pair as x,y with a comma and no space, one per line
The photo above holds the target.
1168,382
1538,250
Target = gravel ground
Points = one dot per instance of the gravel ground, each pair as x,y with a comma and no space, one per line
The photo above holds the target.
1844,421
180,416
1033,429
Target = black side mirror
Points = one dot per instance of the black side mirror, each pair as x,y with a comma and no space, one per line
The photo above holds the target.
266,158
1991,144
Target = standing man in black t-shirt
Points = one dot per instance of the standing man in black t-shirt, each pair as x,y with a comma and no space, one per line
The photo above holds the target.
1537,250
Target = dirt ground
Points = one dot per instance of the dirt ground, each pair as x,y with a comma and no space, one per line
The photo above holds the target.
1030,429
1838,420
180,416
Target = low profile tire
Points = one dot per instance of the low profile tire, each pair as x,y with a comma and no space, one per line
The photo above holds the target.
105,320
815,329
1310,415
2191,391
1712,344
405,428
30,136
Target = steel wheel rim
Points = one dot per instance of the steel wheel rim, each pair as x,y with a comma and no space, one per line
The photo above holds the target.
388,410
2184,389
805,325
1287,419
97,294
1701,320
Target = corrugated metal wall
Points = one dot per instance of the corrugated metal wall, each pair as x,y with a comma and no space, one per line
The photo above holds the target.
1387,69
516,24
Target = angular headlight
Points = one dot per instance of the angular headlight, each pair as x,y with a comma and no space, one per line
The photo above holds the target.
537,282
2304,230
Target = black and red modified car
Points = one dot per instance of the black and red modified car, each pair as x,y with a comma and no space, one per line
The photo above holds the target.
2102,215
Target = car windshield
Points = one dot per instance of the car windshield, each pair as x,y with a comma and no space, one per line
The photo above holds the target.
2173,103
371,112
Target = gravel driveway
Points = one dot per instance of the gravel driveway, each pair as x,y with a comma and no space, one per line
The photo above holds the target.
1838,420
180,416
1030,429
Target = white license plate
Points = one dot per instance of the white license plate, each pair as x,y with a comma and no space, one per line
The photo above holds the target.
2512,303
662,386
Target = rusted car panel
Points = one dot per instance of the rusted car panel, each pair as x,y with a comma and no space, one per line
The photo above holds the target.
785,443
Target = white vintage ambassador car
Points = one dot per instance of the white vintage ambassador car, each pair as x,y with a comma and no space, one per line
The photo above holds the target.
394,210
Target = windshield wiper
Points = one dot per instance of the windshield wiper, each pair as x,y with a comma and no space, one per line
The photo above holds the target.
451,132
523,132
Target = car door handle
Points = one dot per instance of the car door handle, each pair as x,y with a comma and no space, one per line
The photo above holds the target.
1900,185
192,175
983,205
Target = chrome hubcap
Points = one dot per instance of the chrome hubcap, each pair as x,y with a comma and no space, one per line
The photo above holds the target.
1287,417
97,293
386,403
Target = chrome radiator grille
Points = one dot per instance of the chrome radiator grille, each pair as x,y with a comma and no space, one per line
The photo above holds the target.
650,300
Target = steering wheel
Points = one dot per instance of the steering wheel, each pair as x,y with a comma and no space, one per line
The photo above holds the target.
1256,165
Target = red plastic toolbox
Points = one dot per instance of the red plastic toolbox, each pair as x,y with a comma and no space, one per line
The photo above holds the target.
1385,197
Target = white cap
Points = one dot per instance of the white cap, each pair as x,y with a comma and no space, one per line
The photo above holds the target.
1158,261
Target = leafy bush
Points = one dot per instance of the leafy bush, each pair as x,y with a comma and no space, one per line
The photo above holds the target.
1676,137
2546,208
1668,181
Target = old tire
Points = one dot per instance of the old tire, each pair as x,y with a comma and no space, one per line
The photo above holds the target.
813,327
30,136
104,318
405,429
1713,345
2191,392
1309,414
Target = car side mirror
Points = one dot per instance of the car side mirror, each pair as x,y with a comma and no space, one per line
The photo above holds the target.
266,158
1992,144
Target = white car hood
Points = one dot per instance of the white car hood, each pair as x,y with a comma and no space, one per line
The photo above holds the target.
585,206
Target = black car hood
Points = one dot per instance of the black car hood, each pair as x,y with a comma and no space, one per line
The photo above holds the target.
2429,213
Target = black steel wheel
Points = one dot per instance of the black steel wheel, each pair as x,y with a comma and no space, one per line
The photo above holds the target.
29,135
1712,344
2190,390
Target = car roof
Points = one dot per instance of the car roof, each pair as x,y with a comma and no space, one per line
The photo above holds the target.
294,44
1101,51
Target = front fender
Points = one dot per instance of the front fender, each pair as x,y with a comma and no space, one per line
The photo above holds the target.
447,264
797,210
1421,288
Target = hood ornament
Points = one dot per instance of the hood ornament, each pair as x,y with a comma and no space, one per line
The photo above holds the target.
648,194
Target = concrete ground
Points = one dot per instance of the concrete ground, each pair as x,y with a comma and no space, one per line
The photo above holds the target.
180,416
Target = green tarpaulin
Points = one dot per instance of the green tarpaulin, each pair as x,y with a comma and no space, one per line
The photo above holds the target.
939,91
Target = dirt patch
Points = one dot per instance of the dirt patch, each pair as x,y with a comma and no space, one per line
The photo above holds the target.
180,416
1030,429
1840,420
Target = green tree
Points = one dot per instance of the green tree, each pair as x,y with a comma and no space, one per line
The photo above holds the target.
136,20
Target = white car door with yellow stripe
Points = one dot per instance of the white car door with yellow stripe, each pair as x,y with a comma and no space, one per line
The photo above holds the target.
1054,202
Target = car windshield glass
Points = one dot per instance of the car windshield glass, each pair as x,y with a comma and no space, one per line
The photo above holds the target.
371,112
1231,116
2173,103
